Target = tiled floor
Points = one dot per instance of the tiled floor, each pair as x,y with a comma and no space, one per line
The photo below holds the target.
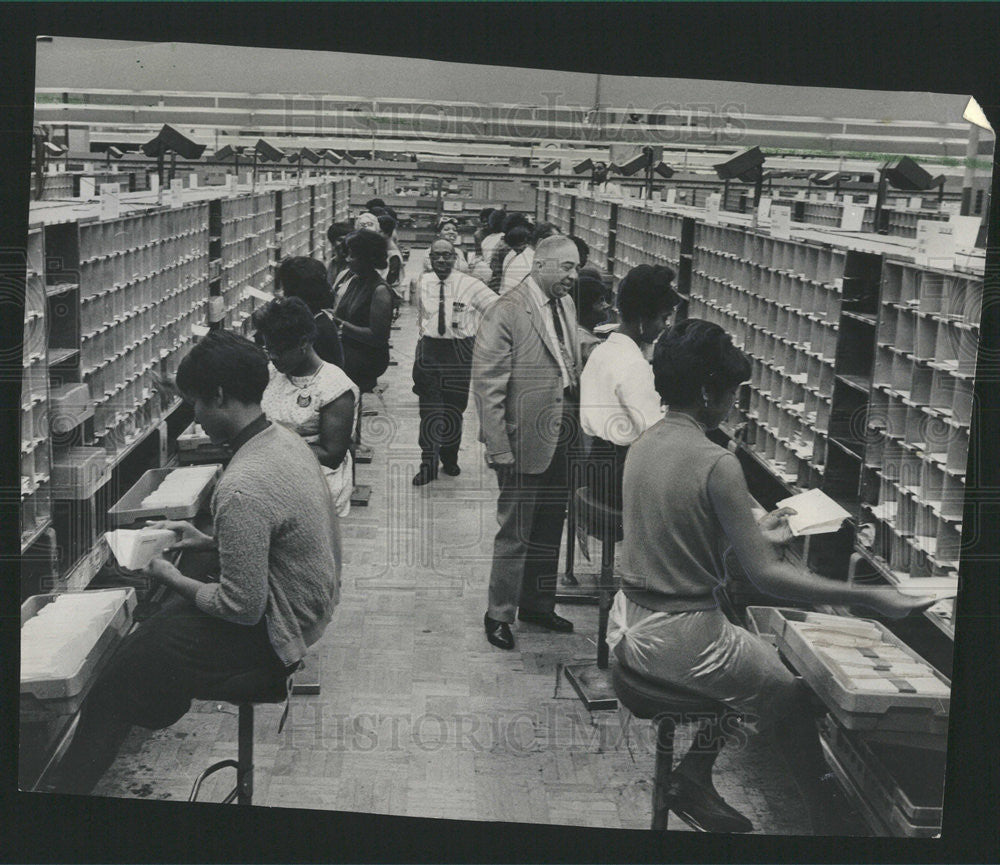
418,715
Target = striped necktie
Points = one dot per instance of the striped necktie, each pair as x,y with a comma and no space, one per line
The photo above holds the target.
561,336
442,327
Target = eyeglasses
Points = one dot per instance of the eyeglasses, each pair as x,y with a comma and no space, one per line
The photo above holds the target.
443,255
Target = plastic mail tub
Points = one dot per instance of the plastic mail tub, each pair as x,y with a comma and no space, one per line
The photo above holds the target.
43,697
855,709
130,509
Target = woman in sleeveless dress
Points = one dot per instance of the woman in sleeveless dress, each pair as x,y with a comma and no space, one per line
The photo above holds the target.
305,393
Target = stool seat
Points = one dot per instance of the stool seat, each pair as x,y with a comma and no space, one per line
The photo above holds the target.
668,707
263,685
646,698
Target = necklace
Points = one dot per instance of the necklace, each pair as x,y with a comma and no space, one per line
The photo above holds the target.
304,400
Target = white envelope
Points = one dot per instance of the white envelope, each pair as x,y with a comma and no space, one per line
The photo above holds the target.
136,548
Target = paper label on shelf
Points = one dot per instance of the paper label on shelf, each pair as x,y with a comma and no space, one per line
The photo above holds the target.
966,230
915,202
712,205
935,244
830,196
193,180
110,201
451,205
764,208
176,186
781,221
852,217
671,195
87,187
154,183
952,208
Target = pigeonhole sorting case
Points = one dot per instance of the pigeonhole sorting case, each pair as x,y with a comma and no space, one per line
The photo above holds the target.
867,677
62,651
185,500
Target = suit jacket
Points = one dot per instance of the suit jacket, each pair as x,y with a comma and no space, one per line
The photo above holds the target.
516,379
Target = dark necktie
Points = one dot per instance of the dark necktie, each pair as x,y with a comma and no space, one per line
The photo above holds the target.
442,329
560,334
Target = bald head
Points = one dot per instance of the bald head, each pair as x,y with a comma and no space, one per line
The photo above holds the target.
442,257
556,264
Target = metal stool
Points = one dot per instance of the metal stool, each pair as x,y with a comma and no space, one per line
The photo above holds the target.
669,707
245,690
590,680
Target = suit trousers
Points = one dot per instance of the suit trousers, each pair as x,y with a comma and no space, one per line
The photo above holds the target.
531,511
442,369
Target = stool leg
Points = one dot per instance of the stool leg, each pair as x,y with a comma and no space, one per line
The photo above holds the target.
664,766
244,779
571,533
604,595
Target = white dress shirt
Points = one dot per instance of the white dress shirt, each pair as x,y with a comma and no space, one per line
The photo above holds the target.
541,301
516,266
618,401
465,301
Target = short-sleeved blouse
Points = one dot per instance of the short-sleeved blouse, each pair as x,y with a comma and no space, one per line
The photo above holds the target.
297,401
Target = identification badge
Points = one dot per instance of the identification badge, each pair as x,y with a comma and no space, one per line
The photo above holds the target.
304,400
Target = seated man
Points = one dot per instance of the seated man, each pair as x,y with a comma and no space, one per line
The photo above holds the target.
618,401
278,542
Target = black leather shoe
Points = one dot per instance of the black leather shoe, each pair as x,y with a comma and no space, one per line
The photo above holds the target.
547,620
498,633
702,808
424,476
452,469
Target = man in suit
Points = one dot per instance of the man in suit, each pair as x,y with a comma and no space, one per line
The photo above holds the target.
525,378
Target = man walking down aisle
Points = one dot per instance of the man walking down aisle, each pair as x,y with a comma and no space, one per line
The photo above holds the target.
451,306
525,377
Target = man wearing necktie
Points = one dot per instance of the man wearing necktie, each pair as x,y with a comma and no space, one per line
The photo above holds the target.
451,305
525,377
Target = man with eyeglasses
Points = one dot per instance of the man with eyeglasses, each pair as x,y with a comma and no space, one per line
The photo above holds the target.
525,377
451,306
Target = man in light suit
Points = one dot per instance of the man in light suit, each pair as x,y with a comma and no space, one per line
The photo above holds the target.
525,379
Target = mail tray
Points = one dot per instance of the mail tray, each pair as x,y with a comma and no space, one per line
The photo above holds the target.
129,508
853,708
192,439
43,697
885,795
907,779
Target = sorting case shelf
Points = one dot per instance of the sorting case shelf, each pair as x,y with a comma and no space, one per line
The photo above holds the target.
862,362
110,307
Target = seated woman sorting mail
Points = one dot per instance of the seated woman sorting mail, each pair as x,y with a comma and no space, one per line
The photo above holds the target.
685,500
308,395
